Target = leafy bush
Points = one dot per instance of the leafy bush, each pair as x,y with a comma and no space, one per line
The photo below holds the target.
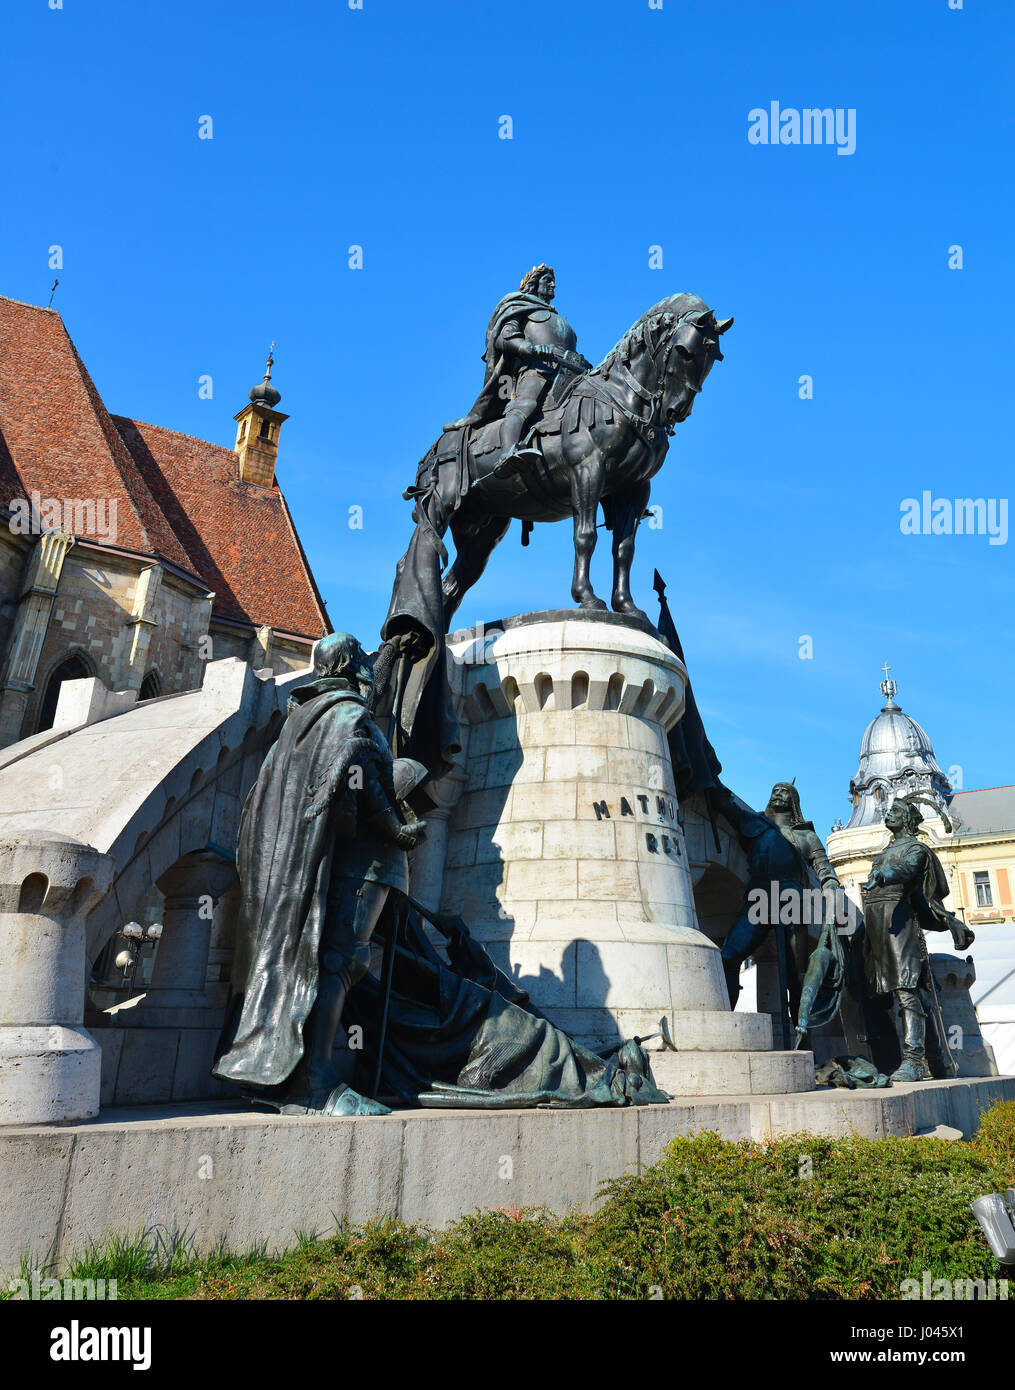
801,1217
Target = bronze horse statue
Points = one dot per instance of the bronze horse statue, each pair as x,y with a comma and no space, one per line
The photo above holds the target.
602,437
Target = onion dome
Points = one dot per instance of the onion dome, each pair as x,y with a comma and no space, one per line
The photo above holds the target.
896,758
264,393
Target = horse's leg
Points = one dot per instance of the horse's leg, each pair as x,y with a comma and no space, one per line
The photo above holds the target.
586,490
627,508
472,551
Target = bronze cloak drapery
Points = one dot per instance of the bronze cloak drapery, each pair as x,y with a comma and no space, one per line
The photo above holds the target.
284,863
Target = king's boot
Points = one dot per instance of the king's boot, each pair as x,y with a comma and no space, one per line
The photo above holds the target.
914,1059
315,1086
516,457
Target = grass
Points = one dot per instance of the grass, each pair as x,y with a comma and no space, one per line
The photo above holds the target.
794,1218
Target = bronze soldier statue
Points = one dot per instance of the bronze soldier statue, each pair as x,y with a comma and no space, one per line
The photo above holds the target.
322,842
784,853
902,899
527,342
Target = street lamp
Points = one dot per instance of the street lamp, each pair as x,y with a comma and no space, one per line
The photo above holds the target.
995,1215
136,937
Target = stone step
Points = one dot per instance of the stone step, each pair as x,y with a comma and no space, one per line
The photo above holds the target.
700,1073
708,1030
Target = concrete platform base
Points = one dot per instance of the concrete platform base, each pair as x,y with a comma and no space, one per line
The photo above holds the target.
217,1173
713,1073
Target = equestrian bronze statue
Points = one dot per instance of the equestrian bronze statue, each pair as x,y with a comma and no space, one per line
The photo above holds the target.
548,439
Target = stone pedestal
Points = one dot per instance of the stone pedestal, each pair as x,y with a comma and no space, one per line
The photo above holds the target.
955,976
49,1063
565,849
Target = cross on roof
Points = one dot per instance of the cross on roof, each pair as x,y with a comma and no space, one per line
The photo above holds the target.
888,688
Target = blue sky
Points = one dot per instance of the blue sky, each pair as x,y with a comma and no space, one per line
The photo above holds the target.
379,127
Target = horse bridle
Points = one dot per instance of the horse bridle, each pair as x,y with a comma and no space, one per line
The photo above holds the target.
641,424
592,385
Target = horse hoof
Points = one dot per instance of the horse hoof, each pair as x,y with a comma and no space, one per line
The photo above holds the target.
593,605
630,611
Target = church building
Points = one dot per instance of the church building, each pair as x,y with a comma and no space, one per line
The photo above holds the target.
132,553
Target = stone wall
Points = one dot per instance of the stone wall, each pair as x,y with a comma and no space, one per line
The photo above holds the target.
127,617
217,1175
154,795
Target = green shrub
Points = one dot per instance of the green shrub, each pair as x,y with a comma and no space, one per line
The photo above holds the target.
995,1140
801,1217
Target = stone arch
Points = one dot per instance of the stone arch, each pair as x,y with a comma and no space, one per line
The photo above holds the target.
151,800
579,689
614,691
718,897
33,893
203,817
73,663
151,686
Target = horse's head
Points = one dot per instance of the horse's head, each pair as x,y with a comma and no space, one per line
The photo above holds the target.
686,359
670,350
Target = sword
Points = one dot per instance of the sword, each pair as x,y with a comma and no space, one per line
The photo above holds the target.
387,970
781,955
574,361
935,1003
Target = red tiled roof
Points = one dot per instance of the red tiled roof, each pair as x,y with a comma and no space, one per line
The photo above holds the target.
237,536
176,497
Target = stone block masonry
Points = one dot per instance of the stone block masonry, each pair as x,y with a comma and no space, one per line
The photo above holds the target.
216,1173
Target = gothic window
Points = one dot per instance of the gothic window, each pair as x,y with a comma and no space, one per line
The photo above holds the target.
151,687
74,668
981,883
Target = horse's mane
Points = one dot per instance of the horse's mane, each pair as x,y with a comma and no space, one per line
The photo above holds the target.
675,304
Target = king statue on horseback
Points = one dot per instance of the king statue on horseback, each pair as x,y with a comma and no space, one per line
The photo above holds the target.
528,342
549,438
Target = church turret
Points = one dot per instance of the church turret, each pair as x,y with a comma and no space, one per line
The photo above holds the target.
896,759
257,430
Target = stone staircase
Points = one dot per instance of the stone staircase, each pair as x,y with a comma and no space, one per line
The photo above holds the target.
722,1053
